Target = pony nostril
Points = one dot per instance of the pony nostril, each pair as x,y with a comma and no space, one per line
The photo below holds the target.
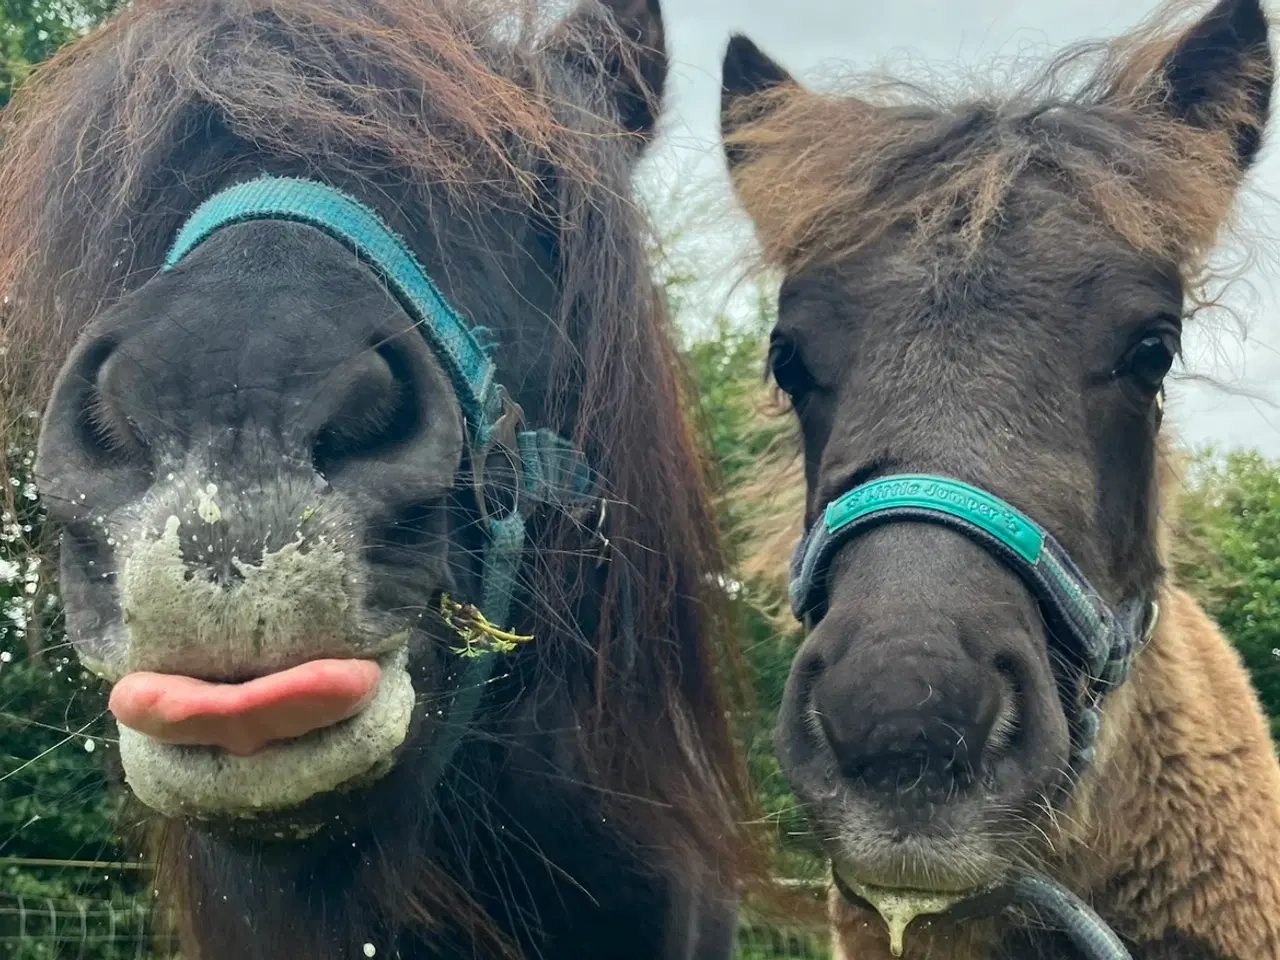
105,430
807,675
377,411
1006,730
800,736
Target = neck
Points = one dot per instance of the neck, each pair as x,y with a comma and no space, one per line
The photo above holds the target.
1183,825
1175,837
373,875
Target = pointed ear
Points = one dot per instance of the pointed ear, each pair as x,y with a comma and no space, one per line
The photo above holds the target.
623,41
746,72
1221,74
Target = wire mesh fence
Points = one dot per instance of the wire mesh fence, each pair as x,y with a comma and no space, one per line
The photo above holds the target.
757,941
44,928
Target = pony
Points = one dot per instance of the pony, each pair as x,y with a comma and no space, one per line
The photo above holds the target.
1004,718
364,429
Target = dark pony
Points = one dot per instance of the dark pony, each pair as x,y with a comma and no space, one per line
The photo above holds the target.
595,807
1001,694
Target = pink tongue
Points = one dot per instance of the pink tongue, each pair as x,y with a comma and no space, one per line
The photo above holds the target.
242,718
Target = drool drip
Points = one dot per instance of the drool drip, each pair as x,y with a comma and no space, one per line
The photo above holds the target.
897,908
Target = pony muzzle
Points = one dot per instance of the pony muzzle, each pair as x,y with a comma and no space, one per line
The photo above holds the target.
205,782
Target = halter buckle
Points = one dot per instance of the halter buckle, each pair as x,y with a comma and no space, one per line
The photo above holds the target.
605,550
1152,620
502,437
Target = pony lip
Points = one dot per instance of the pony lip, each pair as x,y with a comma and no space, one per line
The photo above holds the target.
243,718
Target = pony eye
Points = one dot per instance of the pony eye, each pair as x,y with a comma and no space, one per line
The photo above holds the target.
1149,360
787,367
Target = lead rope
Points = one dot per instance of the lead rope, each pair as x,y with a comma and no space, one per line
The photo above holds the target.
1088,932
1056,906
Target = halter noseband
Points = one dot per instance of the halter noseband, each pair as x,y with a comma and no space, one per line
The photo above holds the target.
1102,642
549,469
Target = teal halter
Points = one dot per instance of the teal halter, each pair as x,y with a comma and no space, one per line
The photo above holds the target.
550,470
1101,641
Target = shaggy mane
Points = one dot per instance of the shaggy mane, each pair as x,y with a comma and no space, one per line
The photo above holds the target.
406,96
825,174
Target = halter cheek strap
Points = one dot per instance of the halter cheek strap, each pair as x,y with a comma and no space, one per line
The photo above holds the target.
549,470
1102,642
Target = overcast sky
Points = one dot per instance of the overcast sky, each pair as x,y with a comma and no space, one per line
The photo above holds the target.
816,39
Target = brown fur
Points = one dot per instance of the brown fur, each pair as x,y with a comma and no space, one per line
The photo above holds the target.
894,214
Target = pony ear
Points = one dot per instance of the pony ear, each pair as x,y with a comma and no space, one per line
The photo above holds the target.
627,47
1221,72
746,71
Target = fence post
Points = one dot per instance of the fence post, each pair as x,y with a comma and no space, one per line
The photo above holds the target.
84,928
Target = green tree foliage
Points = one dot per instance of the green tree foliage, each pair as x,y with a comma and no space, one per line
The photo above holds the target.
1228,555
32,30
728,368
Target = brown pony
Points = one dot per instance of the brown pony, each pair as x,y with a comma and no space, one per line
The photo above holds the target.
990,293
259,463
